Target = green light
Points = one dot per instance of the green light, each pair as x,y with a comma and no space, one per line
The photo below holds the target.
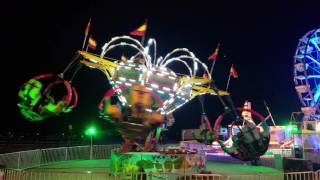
91,131
292,128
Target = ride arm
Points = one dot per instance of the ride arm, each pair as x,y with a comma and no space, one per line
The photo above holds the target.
92,60
195,80
198,86
231,108
196,90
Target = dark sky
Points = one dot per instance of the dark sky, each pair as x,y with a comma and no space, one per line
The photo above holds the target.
259,38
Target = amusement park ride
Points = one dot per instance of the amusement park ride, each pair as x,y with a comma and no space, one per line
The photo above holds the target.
306,73
145,92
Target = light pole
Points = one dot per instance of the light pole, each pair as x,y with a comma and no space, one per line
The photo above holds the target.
91,131
70,135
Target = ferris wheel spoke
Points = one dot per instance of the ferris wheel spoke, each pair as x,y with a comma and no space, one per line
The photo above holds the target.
313,77
311,64
317,95
314,60
314,68
315,42
308,77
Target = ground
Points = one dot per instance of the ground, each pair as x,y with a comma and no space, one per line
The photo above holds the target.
104,166
101,165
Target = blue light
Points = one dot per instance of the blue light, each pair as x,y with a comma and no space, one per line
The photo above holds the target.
308,77
313,76
312,59
316,95
315,41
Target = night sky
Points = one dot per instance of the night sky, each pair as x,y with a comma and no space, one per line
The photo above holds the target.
258,38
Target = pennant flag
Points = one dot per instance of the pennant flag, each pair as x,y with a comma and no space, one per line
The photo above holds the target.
140,31
92,43
233,72
88,28
213,56
86,33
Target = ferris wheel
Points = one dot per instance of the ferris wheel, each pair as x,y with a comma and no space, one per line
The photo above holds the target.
307,73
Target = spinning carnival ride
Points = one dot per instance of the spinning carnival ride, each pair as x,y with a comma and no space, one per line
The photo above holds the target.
307,73
46,95
144,93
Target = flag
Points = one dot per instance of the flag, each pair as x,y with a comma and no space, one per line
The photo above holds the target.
233,72
141,30
214,55
86,33
92,43
88,28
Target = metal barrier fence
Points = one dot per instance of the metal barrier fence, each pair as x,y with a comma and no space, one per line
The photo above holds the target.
317,174
30,175
43,175
28,159
34,158
309,175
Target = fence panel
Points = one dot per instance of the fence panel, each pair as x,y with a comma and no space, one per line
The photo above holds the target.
29,159
10,160
256,177
79,152
33,158
317,174
103,151
45,175
309,175
54,155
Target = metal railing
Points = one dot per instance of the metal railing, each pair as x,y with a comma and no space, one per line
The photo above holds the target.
317,174
17,165
44,175
31,175
308,175
38,157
